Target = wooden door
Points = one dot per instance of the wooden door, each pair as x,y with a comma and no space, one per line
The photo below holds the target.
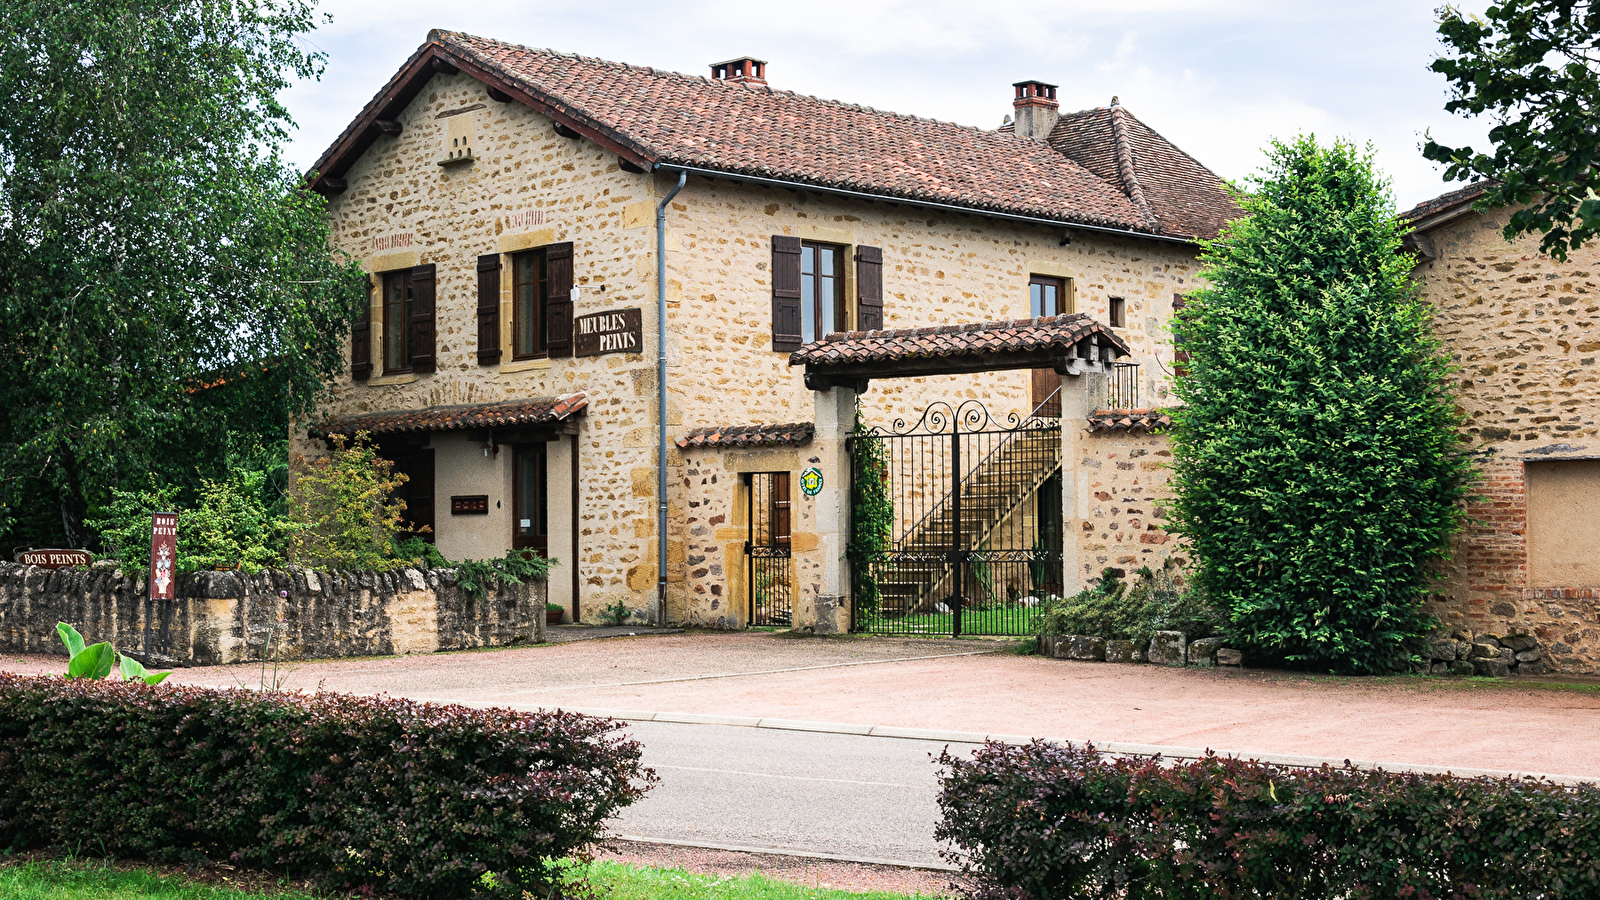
530,511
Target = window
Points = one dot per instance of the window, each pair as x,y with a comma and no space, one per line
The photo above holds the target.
1562,551
530,495
1119,312
1047,296
530,291
398,297
821,290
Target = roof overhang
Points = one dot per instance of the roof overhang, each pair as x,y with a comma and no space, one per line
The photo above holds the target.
1070,344
497,422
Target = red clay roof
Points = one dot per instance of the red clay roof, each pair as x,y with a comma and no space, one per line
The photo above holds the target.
723,437
1058,335
1155,420
653,117
540,411
1182,196
1446,202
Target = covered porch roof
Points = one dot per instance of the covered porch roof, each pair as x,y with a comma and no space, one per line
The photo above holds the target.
538,412
1069,344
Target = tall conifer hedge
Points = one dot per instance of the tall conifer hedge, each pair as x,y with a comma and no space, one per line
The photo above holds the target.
1318,467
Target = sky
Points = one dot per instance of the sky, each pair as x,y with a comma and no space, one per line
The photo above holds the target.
1220,78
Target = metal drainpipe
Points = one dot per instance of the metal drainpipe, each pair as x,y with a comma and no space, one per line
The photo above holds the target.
661,399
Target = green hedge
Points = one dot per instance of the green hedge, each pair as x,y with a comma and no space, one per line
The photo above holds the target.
1048,821
357,792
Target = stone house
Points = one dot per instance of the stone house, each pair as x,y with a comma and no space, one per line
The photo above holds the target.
1524,331
524,214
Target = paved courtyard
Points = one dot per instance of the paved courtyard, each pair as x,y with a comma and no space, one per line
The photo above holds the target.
978,686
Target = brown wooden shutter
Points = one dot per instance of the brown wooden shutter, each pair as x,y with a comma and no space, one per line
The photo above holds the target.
780,508
1180,356
361,340
785,293
488,309
424,329
558,305
869,288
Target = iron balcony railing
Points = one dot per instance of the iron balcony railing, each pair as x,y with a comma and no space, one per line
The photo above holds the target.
1123,390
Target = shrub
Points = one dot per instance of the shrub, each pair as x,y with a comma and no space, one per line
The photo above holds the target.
348,510
475,576
1048,821
357,792
1317,463
1112,608
231,525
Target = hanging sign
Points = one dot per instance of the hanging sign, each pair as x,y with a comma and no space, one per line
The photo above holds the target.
612,331
55,559
811,481
163,555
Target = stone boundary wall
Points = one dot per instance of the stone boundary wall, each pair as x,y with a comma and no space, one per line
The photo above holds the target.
1122,484
226,617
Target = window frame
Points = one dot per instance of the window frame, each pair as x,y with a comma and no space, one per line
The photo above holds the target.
1117,312
812,317
539,538
397,315
1063,286
541,303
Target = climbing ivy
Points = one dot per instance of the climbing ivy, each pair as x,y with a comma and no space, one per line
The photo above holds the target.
871,512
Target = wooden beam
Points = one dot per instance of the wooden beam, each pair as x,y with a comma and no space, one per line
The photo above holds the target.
629,165
498,95
332,185
389,126
444,66
566,130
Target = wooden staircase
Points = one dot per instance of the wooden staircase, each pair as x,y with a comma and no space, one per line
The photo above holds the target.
991,491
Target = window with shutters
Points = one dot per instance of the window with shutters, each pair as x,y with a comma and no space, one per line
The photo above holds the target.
821,290
1049,295
530,293
398,297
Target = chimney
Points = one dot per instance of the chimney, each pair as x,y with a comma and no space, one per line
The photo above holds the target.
1037,110
742,70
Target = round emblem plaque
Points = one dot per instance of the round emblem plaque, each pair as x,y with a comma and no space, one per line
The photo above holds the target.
811,481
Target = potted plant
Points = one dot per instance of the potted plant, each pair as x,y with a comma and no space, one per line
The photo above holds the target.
552,613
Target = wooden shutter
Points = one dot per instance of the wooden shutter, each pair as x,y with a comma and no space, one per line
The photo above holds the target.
785,293
780,508
869,288
1180,356
488,309
361,340
424,329
558,305
419,493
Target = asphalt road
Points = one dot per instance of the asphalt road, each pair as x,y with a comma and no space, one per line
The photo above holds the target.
840,794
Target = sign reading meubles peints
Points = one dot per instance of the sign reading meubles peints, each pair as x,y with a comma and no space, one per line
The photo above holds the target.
612,331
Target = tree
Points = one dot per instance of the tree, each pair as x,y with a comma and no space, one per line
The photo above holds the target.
1317,462
151,237
1534,67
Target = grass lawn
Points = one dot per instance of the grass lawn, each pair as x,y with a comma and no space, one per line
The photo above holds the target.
79,879
1007,619
615,881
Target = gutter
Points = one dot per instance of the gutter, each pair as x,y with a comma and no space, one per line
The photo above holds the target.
661,399
924,204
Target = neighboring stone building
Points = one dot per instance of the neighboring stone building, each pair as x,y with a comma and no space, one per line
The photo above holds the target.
1525,333
505,202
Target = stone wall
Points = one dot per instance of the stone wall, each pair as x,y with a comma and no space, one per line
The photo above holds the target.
1524,331
225,617
1123,492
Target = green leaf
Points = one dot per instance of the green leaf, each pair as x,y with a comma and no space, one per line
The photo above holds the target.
156,679
130,668
70,637
94,662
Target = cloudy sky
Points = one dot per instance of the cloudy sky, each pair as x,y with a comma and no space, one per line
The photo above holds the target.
1218,77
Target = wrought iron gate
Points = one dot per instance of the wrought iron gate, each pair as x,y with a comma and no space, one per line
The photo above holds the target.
768,568
956,522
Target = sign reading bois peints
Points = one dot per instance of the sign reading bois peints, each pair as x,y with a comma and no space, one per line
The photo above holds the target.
612,331
55,559
163,555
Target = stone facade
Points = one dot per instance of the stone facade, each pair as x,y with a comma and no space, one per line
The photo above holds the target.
1524,331
225,617
1124,492
527,186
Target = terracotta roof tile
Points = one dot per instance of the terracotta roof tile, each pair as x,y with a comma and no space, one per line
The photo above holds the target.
1184,197
1150,420
538,411
1057,334
1446,201
723,437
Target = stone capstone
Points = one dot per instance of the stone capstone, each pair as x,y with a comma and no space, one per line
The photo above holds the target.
1086,647
1227,657
1491,667
1169,648
1119,651
1203,652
